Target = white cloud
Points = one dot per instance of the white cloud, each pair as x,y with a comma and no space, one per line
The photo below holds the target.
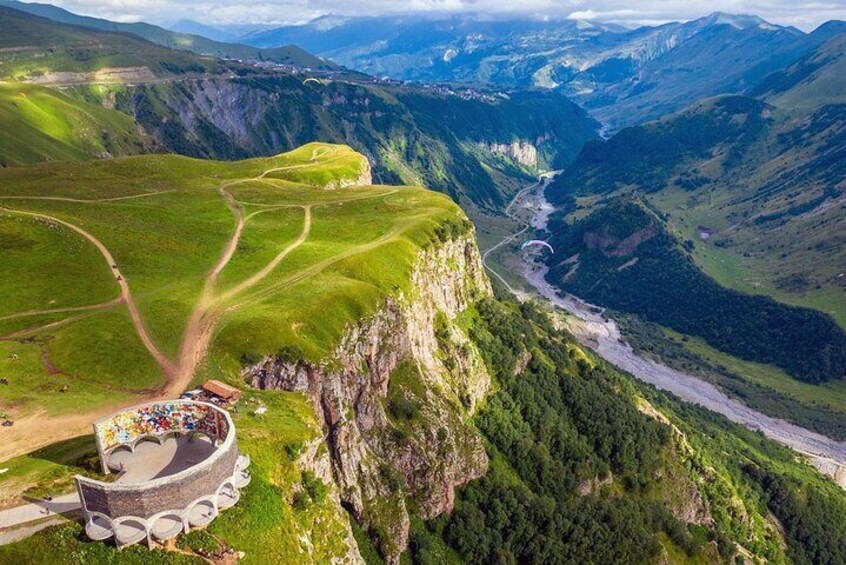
805,14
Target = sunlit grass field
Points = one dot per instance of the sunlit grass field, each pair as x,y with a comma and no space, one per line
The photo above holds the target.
40,124
166,221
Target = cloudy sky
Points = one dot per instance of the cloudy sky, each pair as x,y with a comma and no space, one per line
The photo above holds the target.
805,14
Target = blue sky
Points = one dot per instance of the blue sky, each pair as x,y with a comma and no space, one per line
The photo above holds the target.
801,13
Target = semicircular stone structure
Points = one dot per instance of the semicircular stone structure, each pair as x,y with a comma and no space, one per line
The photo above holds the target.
179,465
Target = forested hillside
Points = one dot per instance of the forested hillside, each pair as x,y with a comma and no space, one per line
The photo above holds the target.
430,139
755,190
584,469
623,257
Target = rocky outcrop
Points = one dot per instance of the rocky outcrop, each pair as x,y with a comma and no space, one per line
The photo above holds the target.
315,458
364,178
395,395
524,152
107,75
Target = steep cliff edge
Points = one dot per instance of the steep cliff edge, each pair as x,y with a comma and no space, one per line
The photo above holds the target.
394,396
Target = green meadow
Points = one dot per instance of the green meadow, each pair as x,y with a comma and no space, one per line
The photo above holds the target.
308,262
51,126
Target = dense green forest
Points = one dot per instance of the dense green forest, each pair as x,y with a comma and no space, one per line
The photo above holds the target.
806,515
646,156
628,261
649,340
553,428
579,474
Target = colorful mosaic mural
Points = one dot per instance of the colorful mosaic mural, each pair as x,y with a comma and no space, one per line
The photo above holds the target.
160,419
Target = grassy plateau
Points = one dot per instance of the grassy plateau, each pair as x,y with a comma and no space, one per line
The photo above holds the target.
122,275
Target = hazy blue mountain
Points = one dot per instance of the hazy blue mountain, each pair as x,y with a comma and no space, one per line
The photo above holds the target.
284,54
203,30
622,76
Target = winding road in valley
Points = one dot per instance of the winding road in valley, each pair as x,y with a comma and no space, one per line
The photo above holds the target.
602,335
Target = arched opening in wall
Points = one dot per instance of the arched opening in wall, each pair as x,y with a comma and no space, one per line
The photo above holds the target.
202,513
98,528
130,531
167,526
241,478
227,496
119,458
151,441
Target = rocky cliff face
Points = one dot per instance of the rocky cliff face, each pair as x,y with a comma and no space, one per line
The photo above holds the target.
412,136
395,395
524,152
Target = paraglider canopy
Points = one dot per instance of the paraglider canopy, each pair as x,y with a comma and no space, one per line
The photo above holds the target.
537,242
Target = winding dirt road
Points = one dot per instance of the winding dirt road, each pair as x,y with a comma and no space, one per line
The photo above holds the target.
125,293
39,429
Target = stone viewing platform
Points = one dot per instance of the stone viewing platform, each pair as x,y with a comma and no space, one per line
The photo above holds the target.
179,467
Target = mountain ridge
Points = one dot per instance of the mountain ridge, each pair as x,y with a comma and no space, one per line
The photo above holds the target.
183,41
611,71
457,141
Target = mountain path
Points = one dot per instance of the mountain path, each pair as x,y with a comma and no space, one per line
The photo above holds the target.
126,294
39,429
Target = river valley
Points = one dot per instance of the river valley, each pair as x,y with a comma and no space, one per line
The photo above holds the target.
601,334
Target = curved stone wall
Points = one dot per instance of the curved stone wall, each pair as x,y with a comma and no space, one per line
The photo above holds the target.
131,511
160,419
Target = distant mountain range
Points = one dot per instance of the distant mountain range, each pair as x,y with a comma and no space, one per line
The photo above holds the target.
477,146
229,33
622,76
202,45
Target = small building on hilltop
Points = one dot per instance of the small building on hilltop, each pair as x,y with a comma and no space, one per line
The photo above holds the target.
216,392
219,393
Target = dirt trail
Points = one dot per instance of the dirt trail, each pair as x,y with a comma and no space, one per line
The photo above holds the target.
313,162
267,269
126,295
101,306
594,330
18,334
38,430
88,201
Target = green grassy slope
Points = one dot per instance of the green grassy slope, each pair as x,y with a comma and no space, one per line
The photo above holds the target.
216,109
586,465
166,222
813,81
32,46
411,135
50,126
623,257
755,190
